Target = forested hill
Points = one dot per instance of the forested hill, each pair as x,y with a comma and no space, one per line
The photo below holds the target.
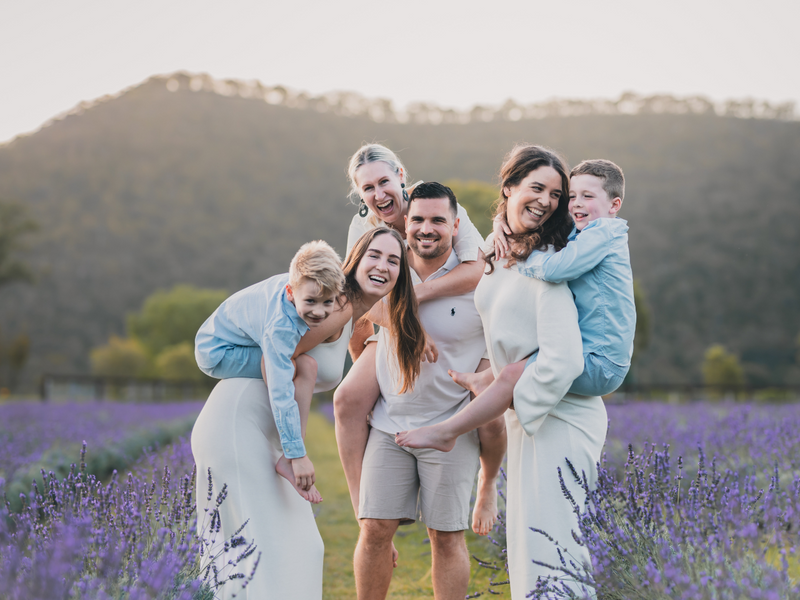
158,187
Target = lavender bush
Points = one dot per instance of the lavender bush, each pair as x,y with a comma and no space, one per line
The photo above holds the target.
77,537
720,521
35,436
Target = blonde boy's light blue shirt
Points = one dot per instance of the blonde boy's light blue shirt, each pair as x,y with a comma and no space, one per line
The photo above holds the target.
596,264
260,316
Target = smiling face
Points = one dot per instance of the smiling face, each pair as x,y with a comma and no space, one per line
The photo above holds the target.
430,227
533,200
379,188
589,201
377,272
313,303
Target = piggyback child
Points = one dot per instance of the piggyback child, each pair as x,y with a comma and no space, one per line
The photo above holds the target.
596,265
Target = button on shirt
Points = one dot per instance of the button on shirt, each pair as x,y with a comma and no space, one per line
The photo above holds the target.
261,315
596,263
455,327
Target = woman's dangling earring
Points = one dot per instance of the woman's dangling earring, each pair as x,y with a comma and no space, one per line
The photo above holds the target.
363,211
405,193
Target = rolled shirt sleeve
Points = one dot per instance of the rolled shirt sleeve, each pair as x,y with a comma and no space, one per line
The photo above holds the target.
278,343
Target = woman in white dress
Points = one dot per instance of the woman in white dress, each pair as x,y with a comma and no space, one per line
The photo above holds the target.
547,425
235,435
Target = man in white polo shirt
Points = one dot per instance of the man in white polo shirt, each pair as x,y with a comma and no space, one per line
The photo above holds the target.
394,479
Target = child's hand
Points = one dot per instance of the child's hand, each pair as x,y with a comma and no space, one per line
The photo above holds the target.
303,470
431,353
501,230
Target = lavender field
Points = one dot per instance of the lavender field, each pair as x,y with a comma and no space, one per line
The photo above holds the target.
694,501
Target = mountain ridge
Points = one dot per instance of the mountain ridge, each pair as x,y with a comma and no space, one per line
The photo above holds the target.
156,187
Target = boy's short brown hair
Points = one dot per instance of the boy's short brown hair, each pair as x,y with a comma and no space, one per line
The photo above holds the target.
610,173
318,262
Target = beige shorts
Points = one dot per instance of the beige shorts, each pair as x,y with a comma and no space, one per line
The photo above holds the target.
401,483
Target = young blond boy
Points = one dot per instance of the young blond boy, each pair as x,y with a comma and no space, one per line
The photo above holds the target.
596,265
267,320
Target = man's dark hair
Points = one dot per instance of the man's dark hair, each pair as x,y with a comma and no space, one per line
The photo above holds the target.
433,190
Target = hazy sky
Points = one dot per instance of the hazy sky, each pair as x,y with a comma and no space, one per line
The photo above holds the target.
457,53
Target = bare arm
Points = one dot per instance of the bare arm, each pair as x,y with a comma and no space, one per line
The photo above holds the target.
329,327
461,280
361,332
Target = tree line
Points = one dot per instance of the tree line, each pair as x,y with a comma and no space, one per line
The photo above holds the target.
155,188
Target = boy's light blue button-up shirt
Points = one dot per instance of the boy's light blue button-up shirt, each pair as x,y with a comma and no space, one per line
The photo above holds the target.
596,264
260,316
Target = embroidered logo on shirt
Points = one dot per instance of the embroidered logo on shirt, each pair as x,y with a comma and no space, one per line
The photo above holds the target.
453,312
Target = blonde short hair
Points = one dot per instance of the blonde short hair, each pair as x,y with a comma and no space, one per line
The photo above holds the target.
369,153
318,262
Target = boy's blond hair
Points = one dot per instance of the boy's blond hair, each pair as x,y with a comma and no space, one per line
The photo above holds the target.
610,173
318,262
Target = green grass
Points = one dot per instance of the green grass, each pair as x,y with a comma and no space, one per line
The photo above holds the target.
337,524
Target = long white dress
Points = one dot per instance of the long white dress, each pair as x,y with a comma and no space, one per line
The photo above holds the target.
235,436
521,315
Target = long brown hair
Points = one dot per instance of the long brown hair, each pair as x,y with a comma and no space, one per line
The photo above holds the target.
405,327
554,232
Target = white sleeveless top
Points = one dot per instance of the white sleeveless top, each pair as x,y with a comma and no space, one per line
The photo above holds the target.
330,359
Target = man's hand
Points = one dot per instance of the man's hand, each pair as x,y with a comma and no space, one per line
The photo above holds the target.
501,230
431,354
303,470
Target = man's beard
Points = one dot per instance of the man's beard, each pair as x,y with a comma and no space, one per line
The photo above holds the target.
434,251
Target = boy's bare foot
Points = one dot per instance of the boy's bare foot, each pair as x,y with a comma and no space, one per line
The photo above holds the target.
431,436
485,511
312,495
474,382
284,469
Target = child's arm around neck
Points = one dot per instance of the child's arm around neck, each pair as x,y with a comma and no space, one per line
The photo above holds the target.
585,250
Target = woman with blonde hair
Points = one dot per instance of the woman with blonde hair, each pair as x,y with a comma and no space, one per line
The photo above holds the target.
379,180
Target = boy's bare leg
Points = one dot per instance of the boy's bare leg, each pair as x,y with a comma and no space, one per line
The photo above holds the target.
488,406
493,448
352,403
300,471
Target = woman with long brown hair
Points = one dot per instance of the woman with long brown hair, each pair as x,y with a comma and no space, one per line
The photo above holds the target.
547,426
237,441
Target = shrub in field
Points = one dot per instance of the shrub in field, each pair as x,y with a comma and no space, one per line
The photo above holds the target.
722,529
79,538
722,369
119,358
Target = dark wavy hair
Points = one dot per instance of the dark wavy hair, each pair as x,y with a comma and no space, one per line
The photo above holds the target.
518,163
405,327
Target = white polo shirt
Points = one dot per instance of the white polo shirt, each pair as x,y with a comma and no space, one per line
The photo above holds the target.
455,326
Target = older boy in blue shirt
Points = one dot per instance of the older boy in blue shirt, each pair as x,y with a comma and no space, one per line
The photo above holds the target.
596,264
